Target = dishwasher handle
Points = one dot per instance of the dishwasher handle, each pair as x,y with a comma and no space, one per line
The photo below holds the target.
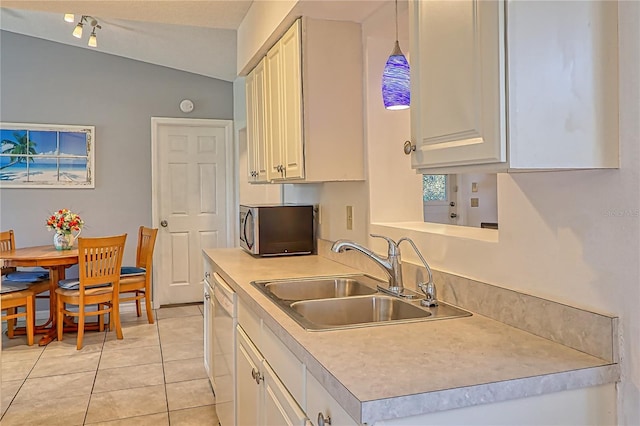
224,295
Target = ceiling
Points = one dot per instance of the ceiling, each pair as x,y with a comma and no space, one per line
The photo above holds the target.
195,36
200,13
192,36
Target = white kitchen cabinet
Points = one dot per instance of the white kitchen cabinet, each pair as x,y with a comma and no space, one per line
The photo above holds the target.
313,105
284,112
513,86
256,122
279,406
321,403
248,391
208,322
261,397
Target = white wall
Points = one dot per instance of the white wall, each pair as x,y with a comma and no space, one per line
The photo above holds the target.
47,82
570,236
333,199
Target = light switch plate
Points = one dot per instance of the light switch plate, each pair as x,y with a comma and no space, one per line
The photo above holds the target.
475,202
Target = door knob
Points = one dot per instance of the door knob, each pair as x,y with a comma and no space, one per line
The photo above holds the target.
164,223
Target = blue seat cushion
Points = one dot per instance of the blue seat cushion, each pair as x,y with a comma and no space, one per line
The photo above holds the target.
132,270
27,276
11,286
74,284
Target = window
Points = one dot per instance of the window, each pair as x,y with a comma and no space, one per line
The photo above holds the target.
434,188
462,199
45,156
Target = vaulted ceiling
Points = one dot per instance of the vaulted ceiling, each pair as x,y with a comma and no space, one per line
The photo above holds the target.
193,36
198,36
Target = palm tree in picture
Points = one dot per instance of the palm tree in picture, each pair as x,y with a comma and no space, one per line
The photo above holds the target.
18,149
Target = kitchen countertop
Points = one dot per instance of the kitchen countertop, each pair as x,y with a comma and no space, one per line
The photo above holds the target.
400,370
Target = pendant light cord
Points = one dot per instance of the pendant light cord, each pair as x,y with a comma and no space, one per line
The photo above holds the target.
396,20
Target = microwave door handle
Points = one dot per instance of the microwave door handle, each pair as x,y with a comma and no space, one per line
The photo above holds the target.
244,230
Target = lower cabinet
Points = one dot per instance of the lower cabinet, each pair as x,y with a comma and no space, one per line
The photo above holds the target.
208,329
261,397
321,407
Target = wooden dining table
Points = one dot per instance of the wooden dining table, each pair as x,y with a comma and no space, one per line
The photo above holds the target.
56,261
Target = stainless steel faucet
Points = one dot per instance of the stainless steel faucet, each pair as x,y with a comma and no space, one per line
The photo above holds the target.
391,264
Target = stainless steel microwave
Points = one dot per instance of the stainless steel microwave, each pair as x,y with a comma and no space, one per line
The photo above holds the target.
277,229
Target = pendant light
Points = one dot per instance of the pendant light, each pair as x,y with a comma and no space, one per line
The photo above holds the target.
396,92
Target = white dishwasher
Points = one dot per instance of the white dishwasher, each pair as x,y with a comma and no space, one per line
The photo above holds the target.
225,319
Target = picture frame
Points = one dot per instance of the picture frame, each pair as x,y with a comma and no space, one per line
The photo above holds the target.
47,156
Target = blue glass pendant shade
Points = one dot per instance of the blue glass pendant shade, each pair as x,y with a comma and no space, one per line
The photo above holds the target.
396,92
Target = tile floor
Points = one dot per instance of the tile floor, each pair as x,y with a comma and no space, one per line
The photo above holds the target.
154,376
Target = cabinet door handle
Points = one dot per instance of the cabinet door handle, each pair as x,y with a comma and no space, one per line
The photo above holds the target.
256,376
207,296
409,147
207,275
322,420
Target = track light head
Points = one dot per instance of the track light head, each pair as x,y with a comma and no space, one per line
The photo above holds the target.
77,32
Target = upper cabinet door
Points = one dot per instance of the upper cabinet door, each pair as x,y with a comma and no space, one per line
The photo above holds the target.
458,82
273,112
284,107
291,90
256,132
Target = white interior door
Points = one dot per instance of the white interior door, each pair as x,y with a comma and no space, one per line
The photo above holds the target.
193,203
444,209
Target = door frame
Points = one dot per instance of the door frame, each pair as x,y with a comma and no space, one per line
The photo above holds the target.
231,204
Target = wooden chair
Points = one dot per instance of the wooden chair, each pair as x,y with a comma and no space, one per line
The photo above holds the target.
22,298
11,302
99,263
7,243
139,281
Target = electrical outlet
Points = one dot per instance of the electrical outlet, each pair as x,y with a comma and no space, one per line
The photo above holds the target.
475,202
349,218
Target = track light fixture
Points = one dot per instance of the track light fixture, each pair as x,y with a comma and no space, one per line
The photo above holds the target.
77,31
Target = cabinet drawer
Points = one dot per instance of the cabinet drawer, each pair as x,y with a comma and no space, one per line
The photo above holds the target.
280,408
250,323
289,369
320,401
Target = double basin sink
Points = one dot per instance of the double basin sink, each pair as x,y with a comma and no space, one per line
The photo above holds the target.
347,301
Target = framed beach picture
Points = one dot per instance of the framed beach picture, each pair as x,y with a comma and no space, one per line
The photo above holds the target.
46,156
